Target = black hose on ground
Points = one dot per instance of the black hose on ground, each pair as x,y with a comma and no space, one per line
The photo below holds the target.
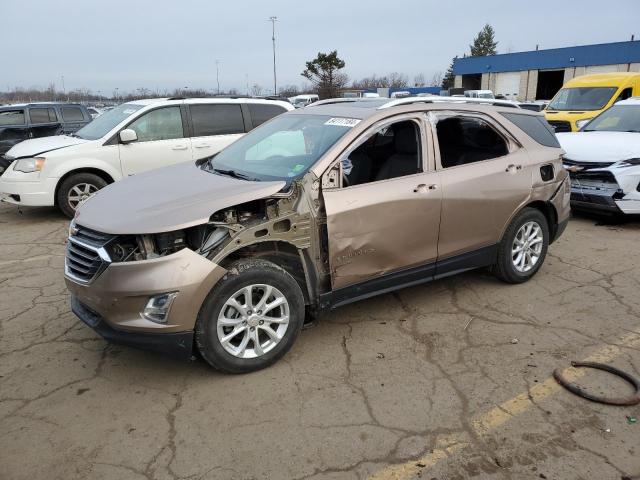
576,390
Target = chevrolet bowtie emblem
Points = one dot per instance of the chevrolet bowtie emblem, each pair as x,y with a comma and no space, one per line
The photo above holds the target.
574,168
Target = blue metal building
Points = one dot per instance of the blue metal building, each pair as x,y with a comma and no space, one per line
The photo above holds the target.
541,73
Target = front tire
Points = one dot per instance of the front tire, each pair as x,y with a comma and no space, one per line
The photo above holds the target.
76,189
523,248
251,318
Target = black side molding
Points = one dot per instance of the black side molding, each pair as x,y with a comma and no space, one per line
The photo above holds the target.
409,277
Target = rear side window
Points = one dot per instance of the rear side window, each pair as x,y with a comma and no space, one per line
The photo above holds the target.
12,117
260,113
42,115
464,140
216,119
534,126
72,114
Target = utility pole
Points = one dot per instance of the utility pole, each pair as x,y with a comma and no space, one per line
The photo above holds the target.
246,79
64,91
273,21
218,75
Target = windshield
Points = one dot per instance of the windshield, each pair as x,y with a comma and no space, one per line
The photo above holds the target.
283,149
582,98
103,124
619,118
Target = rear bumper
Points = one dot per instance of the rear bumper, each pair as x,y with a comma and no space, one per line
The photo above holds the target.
178,344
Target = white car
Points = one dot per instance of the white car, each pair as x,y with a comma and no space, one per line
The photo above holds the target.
129,139
603,160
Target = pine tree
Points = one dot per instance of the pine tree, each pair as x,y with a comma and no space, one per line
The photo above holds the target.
449,77
484,43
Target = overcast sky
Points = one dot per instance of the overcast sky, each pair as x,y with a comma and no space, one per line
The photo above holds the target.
168,44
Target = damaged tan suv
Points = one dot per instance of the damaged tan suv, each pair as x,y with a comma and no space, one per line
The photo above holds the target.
317,208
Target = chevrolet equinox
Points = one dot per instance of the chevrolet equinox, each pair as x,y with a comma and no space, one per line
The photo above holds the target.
317,208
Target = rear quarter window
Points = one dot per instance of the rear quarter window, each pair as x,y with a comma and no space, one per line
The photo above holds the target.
535,126
260,113
72,114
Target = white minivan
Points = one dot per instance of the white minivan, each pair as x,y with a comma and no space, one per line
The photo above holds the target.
132,138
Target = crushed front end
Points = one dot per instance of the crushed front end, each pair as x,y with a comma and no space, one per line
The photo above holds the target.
608,187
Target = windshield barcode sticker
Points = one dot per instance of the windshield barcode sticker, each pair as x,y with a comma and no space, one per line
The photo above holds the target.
343,122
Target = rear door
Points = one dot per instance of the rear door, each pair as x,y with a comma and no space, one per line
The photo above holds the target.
161,141
486,177
214,126
44,122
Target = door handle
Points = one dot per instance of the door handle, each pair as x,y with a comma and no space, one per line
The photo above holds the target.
513,167
179,147
424,188
203,145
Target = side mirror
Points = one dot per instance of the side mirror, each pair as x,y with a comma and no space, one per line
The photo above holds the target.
127,136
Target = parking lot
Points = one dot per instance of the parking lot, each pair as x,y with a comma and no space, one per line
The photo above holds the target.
450,380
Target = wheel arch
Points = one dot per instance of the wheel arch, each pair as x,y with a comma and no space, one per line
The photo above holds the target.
96,171
284,254
546,208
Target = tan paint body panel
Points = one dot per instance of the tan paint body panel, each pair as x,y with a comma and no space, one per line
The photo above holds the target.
380,227
121,292
167,199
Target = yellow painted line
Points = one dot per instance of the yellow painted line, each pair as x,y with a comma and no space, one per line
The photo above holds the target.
498,416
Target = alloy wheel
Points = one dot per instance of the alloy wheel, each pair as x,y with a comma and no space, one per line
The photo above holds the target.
527,247
253,321
79,193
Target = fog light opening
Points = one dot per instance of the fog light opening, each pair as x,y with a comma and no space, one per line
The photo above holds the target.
158,306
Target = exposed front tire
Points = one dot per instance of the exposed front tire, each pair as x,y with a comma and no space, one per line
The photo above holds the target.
251,318
76,189
523,248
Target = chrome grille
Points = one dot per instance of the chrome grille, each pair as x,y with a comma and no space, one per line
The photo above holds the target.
86,256
567,162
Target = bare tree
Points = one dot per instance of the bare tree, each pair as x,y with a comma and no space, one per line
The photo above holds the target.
256,90
436,80
419,80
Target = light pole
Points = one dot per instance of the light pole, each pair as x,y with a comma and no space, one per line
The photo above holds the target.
273,21
218,75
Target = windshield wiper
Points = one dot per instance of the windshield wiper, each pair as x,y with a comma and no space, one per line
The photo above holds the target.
234,174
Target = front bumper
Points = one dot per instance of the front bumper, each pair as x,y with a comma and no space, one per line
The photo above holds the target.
119,294
178,345
30,191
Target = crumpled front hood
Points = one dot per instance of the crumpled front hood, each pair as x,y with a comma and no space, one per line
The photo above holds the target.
36,146
600,146
167,199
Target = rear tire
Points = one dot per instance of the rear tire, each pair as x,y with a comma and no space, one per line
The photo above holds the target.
76,189
523,248
251,318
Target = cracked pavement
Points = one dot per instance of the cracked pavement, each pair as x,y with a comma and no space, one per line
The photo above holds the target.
373,389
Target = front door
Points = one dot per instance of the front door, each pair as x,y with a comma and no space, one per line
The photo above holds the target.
485,178
384,215
161,142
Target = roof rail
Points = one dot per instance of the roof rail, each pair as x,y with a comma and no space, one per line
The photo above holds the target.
331,101
436,99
